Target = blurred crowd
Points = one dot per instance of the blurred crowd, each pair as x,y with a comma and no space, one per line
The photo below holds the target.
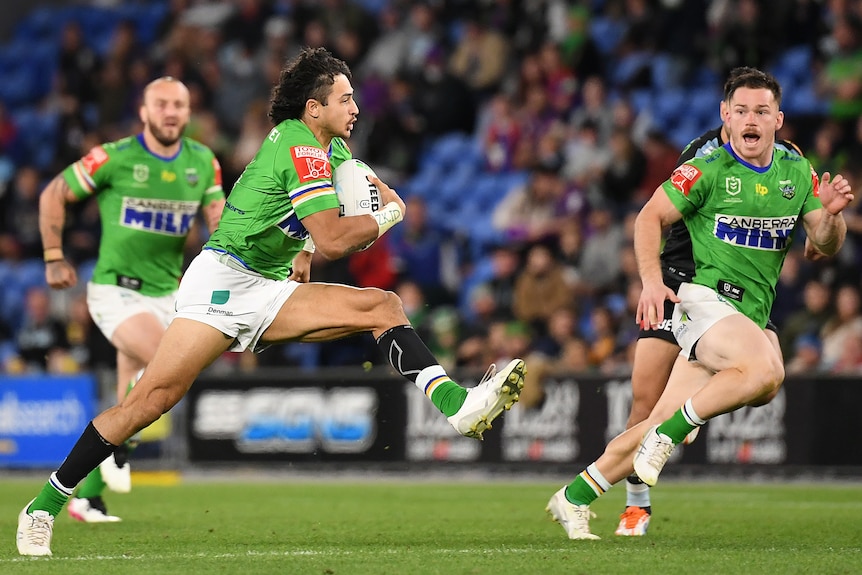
568,95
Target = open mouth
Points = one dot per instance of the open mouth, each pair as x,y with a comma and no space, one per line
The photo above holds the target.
751,138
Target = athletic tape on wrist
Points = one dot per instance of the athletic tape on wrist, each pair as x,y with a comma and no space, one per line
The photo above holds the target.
309,245
387,217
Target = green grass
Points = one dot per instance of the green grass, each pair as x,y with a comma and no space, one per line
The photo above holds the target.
418,527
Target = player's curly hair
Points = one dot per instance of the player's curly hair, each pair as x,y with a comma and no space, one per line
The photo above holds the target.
310,75
748,77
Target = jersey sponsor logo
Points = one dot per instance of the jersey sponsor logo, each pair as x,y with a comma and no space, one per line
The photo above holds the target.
310,163
167,217
274,135
760,189
141,172
684,177
787,189
771,234
168,176
732,186
95,159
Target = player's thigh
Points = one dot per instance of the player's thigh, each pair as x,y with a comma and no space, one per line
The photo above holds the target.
736,342
138,338
654,359
686,379
324,312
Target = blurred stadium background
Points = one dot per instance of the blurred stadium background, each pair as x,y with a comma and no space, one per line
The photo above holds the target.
524,135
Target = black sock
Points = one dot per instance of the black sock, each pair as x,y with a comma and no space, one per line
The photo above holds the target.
90,450
405,350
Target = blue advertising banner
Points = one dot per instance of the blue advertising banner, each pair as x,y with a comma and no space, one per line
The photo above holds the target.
42,416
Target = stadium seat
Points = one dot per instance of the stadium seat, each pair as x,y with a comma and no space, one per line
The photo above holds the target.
606,33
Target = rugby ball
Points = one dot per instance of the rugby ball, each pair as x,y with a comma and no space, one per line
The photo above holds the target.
356,194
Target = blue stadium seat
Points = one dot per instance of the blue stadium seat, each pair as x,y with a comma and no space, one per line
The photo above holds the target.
606,33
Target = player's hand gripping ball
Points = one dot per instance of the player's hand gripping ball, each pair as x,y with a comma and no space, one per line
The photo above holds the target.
356,194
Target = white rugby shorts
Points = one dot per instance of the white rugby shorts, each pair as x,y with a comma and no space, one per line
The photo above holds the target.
700,308
111,305
219,291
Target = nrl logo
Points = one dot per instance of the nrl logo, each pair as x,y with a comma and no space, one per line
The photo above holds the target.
732,186
788,190
141,172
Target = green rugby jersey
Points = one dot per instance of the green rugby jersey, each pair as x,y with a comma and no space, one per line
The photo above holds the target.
288,179
741,219
147,204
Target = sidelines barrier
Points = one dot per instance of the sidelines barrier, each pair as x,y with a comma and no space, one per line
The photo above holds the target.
346,415
42,416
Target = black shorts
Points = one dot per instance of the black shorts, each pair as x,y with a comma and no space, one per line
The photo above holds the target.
664,330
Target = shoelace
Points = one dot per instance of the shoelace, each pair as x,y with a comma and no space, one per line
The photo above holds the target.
632,515
489,374
659,454
581,518
39,532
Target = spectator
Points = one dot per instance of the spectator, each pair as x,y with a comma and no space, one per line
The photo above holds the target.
807,320
423,254
843,324
541,289
42,342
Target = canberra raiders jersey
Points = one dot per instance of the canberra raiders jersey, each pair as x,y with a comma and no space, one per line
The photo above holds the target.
741,219
676,259
147,204
289,178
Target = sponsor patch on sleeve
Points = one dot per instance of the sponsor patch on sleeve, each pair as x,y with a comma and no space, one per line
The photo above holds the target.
95,159
311,163
815,183
684,177
216,172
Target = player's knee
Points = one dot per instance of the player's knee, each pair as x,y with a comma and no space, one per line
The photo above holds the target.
766,378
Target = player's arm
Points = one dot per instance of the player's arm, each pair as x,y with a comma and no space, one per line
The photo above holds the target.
336,237
656,214
52,216
212,213
825,226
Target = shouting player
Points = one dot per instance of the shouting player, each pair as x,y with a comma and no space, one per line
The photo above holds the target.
741,205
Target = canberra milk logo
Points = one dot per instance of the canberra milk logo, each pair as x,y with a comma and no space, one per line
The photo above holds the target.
167,217
771,234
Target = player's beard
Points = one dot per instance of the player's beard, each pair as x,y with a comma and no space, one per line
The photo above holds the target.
162,138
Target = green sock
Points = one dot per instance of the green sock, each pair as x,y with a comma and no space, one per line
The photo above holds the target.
50,500
92,486
588,486
677,427
448,396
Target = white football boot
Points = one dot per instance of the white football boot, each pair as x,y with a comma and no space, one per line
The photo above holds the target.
652,454
494,394
34,532
575,519
118,478
89,511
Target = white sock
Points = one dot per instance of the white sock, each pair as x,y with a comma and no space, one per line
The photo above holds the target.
637,494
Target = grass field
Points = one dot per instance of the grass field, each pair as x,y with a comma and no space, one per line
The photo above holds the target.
418,527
